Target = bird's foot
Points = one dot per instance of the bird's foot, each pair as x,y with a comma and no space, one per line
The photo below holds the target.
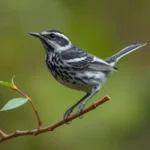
66,114
80,110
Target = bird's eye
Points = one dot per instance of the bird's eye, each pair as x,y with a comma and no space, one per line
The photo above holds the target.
52,36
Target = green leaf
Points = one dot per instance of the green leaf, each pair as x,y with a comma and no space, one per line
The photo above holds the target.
12,80
6,84
14,103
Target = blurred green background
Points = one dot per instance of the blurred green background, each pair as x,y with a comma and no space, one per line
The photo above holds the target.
102,27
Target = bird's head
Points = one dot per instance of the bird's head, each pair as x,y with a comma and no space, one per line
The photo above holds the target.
53,40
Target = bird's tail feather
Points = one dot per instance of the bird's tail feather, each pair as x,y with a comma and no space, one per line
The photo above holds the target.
113,59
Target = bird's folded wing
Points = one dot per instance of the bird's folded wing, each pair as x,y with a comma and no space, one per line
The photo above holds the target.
79,59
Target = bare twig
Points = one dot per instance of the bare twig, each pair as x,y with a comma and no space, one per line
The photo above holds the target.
32,104
4,136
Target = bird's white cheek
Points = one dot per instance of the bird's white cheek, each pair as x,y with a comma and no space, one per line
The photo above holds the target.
52,43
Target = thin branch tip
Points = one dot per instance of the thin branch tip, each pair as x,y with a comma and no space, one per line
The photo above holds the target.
2,134
32,104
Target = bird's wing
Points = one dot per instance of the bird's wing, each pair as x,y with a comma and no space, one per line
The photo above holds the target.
79,59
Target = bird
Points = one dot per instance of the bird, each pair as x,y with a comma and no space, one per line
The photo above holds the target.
77,69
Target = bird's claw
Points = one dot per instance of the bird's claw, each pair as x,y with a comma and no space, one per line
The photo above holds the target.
66,114
80,110
69,111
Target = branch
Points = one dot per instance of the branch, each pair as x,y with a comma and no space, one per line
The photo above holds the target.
4,136
32,104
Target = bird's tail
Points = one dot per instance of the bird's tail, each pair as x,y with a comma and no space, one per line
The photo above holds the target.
113,59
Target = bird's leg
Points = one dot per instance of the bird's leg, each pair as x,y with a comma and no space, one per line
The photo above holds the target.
87,99
69,111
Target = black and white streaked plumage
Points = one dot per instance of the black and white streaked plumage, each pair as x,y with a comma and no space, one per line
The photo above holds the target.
75,68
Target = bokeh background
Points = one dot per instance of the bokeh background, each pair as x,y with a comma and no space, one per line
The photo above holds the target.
102,27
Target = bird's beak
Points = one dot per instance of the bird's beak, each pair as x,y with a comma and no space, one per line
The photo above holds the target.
38,35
